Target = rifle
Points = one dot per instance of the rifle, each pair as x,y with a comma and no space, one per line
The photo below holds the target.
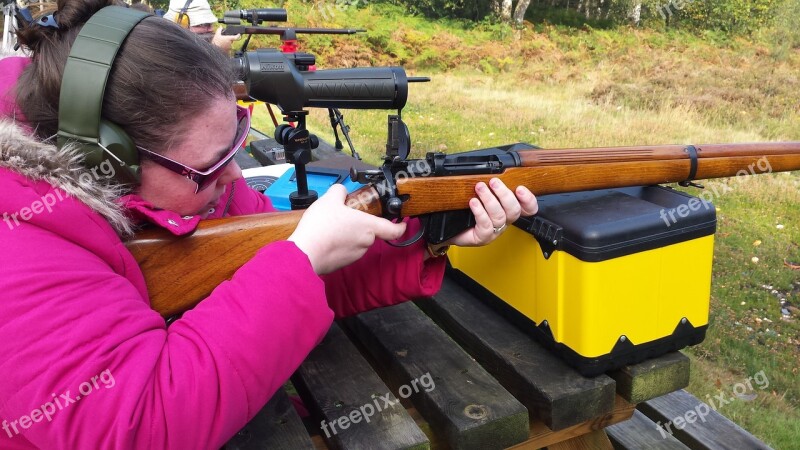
181,271
286,32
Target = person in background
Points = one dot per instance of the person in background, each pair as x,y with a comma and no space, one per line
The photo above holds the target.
196,15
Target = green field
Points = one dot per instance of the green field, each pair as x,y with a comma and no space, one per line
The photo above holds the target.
555,87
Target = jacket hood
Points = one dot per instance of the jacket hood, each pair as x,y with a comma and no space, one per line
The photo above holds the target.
60,168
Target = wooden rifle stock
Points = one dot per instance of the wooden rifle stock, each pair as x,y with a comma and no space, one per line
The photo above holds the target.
181,271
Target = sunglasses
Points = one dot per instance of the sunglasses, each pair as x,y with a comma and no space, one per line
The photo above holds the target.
205,178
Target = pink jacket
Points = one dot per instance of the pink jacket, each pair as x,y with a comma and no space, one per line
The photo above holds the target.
87,364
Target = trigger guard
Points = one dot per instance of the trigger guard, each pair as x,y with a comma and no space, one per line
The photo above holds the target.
414,239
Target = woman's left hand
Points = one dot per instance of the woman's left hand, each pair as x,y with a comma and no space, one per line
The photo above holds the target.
495,207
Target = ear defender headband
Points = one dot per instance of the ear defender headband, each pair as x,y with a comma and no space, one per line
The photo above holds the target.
83,86
182,18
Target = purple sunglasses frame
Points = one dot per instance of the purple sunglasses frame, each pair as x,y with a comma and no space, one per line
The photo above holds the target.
204,178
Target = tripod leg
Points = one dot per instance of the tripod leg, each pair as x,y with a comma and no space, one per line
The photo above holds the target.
334,116
345,131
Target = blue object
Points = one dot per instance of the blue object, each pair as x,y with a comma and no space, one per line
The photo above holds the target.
48,21
320,179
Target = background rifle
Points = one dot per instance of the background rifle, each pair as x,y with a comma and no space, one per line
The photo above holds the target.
181,271
286,32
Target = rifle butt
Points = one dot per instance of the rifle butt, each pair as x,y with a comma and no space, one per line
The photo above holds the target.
182,270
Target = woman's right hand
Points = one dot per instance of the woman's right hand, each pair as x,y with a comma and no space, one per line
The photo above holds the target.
334,235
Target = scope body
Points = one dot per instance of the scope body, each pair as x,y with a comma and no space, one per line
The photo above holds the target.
257,15
273,78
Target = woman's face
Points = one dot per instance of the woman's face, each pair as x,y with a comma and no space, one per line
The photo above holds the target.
211,137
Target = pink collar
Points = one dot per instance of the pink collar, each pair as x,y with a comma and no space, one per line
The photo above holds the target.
142,211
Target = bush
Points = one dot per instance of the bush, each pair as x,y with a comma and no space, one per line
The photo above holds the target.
737,16
457,9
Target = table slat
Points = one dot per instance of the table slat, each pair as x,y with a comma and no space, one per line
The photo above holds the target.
551,390
276,426
652,378
459,398
639,432
339,385
711,431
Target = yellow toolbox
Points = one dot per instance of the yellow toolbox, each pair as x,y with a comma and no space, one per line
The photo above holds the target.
604,278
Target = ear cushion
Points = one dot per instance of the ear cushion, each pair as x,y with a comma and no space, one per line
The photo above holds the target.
82,89
119,159
124,155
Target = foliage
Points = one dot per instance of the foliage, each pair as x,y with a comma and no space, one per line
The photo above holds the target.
731,16
773,20
462,9
737,16
570,17
784,37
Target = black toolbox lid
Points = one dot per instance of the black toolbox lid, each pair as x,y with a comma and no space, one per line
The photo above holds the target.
604,224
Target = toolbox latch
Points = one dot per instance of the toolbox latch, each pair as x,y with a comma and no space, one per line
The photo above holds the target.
547,233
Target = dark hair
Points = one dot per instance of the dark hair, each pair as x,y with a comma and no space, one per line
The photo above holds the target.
162,75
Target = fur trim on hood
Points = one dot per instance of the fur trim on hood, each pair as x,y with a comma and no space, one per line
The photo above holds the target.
62,168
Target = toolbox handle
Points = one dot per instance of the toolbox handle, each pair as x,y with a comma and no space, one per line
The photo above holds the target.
548,234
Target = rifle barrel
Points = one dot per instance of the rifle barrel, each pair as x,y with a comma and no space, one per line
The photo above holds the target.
570,170
282,30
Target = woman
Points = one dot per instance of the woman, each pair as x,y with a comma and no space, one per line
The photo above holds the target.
87,363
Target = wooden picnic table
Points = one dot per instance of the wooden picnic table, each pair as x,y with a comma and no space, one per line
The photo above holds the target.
495,387
455,371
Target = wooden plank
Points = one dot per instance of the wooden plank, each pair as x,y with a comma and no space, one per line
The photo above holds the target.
551,390
640,432
356,407
652,378
276,426
460,400
696,424
541,436
596,440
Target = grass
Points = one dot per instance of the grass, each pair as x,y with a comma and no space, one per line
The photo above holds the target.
580,87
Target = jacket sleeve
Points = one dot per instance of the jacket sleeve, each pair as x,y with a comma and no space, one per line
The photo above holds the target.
384,276
80,344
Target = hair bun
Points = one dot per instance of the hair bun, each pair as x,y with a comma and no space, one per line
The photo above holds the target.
68,15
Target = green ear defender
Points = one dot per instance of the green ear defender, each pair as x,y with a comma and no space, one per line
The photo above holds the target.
82,88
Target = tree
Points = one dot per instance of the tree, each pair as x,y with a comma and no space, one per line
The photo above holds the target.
505,11
519,12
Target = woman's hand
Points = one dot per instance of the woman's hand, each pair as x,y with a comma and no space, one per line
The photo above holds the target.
334,235
494,208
